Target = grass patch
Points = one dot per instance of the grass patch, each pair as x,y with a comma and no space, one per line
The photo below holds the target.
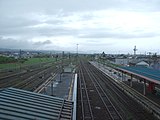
9,65
30,61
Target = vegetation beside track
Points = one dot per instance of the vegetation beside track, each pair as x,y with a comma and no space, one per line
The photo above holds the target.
7,60
25,62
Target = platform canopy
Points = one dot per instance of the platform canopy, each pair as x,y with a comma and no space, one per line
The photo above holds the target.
143,72
16,104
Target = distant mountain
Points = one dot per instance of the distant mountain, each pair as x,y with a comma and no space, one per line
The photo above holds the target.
30,50
7,49
43,51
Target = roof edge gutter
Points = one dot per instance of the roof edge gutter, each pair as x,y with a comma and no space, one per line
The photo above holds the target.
75,98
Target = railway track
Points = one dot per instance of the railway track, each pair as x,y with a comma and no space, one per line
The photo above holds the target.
17,71
85,101
16,79
112,110
104,95
135,109
30,80
95,104
147,103
32,83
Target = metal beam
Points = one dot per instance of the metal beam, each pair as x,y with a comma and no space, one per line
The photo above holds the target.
131,80
144,87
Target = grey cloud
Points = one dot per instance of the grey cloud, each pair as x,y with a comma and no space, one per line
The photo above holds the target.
46,42
16,25
14,43
118,35
59,31
87,16
16,20
23,26
38,31
54,21
47,6
15,17
100,43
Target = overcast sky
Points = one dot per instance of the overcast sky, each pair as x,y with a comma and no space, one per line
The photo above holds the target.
113,26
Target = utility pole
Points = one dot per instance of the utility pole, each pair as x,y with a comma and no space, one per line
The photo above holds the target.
135,49
52,88
61,65
150,58
77,54
20,56
77,50
20,53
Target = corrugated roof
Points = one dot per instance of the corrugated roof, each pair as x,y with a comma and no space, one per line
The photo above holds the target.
16,104
144,71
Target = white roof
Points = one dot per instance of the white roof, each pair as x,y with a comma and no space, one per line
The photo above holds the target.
143,63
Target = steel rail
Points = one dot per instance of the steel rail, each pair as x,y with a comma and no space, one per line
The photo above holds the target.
85,101
25,83
120,95
17,79
122,85
110,84
33,83
114,114
118,89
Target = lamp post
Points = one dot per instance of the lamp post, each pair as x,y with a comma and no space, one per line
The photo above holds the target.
77,54
77,50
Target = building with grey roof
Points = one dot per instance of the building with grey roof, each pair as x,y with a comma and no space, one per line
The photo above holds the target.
16,104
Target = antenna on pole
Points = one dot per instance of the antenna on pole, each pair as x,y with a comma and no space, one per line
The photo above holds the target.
135,49
77,50
20,53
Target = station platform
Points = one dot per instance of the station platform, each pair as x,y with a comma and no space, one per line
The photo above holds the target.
136,84
143,72
62,86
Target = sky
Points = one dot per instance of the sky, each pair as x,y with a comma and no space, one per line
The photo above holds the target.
112,26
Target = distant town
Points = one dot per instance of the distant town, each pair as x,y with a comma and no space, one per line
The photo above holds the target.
19,53
151,60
